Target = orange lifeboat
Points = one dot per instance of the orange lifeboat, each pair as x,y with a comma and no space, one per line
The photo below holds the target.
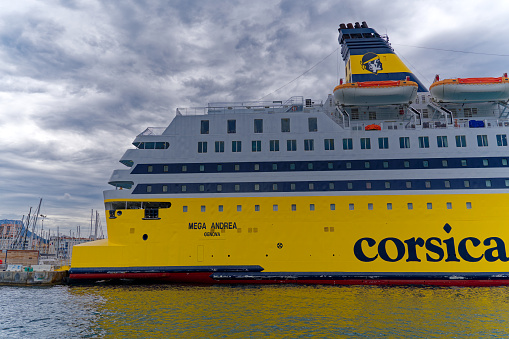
373,127
376,92
470,89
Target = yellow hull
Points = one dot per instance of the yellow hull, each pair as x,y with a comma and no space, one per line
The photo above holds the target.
299,239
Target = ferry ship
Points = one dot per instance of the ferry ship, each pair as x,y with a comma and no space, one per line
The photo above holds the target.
383,182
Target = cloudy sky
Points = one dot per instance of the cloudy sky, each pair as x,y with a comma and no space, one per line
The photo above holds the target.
80,79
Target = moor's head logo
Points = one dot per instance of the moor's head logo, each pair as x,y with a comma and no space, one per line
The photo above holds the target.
371,63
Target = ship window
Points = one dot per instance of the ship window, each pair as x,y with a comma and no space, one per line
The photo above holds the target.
184,168
310,165
236,146
372,115
368,185
347,144
165,168
312,124
389,205
202,147
204,127
442,141
404,142
504,162
256,167
449,205
239,208
330,165
162,145
328,144
309,145
220,208
292,166
151,213
202,188
429,205
237,187
311,186
165,188
423,142
150,145
291,145
506,183
365,143
488,183
423,99
294,207
332,207
406,164
410,206
219,167
383,143
257,187
311,207
285,125
461,141
219,146
463,162
258,125
184,208
274,187
274,208
366,164
149,188
417,99
501,140
203,208
231,126
331,185
274,167
349,185
150,168
469,205
355,114
425,163
370,206
219,188
485,162
183,188
257,208
202,168
387,184
427,184
348,165
425,114
444,163
386,164
408,184
292,187
482,140
256,145
237,167
447,184
351,207
467,112
466,183
274,145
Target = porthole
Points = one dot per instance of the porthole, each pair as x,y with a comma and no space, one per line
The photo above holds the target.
119,213
145,236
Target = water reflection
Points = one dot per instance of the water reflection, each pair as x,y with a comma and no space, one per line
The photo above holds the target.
254,311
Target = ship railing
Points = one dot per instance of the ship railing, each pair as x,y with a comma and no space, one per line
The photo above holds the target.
153,131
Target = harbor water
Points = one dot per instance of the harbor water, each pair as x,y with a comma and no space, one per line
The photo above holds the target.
289,311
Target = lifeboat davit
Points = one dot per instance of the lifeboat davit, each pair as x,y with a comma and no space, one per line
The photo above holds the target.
376,92
471,89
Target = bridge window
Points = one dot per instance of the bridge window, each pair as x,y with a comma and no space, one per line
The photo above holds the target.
231,126
258,125
312,124
461,141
